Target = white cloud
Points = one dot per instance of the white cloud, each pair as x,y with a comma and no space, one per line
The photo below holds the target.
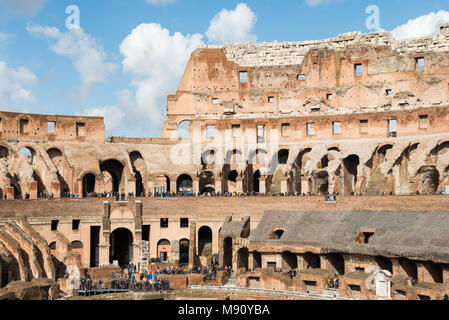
233,25
156,61
88,57
159,2
313,3
113,117
15,87
422,26
4,36
29,8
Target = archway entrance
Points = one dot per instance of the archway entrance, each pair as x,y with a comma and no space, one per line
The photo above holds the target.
163,250
227,252
138,165
184,184
115,169
88,184
121,241
184,251
256,181
204,241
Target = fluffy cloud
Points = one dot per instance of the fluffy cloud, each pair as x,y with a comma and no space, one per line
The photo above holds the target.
156,61
422,26
88,57
159,2
113,117
15,87
4,36
28,8
233,25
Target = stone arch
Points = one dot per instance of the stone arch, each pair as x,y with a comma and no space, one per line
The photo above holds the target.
382,151
184,183
283,156
242,258
204,241
289,260
29,153
88,184
139,169
121,249
321,182
115,169
164,250
161,183
184,129
337,262
184,251
297,169
429,179
57,157
350,165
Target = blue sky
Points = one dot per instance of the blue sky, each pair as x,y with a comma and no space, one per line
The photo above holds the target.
126,57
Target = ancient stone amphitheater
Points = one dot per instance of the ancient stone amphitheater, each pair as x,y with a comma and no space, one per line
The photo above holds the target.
255,136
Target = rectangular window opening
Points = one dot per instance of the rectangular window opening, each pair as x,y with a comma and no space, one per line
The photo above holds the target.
388,92
54,225
80,129
51,125
358,69
329,96
285,129
235,130
301,77
243,76
310,129
336,127
215,100
184,222
24,125
260,134
76,224
164,222
423,121
419,63
392,128
270,99
210,131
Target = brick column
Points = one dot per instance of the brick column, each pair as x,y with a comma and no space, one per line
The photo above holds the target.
262,184
105,247
56,189
192,244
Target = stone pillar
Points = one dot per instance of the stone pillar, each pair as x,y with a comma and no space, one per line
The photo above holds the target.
32,189
104,254
262,185
149,187
196,186
305,186
175,251
56,189
284,186
239,185
173,186
79,190
251,261
301,263
192,244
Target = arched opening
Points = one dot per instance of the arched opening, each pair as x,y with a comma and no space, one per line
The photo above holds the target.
257,260
435,271
276,234
324,162
350,173
382,152
312,260
14,182
184,183
29,154
256,181
205,241
138,165
322,182
208,190
184,251
208,158
429,179
78,246
184,129
409,268
121,248
283,156
4,152
164,250
233,176
384,263
337,262
88,184
242,258
115,170
227,252
289,260
162,184
41,189
52,247
207,182
57,158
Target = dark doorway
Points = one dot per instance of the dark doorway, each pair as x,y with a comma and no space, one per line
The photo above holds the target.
204,241
256,181
257,260
115,169
94,248
88,184
121,246
184,183
227,252
183,251
242,258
